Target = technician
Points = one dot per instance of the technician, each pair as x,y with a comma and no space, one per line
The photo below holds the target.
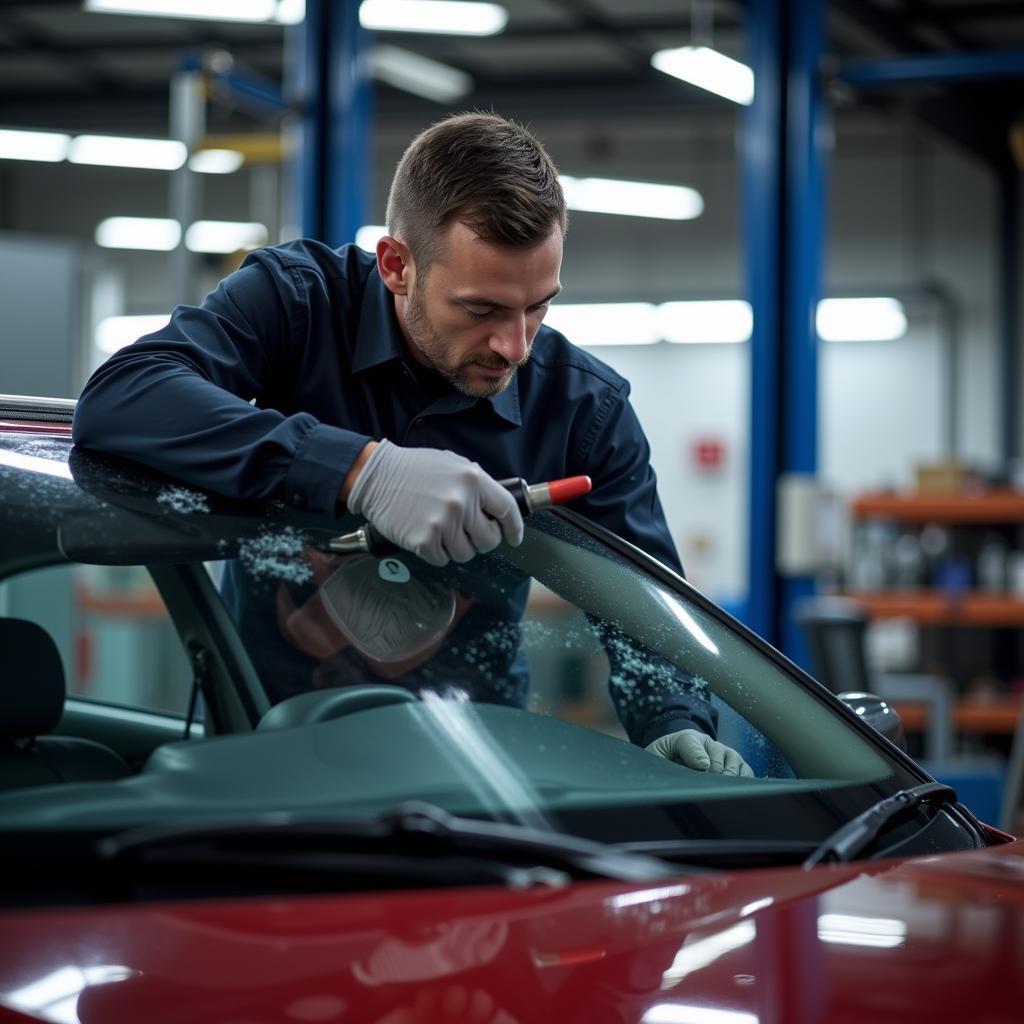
404,386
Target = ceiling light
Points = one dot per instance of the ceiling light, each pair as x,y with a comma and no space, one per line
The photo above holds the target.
207,10
879,319
452,17
113,151
157,234
115,332
50,147
606,323
368,236
224,236
708,69
631,198
216,161
697,323
290,12
419,75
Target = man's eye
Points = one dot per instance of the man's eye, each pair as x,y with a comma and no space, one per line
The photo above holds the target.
477,316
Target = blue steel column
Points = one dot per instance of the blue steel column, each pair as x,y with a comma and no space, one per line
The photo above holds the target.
762,169
332,82
805,213
783,185
1009,312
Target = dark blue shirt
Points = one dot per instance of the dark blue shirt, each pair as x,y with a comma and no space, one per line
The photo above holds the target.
273,386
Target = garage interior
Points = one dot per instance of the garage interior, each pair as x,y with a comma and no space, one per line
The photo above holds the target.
838,441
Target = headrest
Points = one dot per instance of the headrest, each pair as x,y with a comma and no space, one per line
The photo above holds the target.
31,680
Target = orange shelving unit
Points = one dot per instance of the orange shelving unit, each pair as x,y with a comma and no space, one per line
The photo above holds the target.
964,508
932,607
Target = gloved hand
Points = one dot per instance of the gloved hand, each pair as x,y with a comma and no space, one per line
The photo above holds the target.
695,750
434,503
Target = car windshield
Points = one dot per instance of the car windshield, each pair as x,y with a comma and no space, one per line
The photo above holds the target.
522,686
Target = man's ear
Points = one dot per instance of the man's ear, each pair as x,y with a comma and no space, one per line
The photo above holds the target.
394,263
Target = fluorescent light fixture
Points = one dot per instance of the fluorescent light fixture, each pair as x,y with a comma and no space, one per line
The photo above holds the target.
224,236
450,17
216,161
50,147
718,321
680,1013
290,12
712,322
855,930
206,10
115,332
368,236
419,75
631,198
115,151
877,319
606,323
708,69
156,234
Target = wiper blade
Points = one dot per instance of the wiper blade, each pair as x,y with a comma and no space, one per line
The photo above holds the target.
856,835
418,831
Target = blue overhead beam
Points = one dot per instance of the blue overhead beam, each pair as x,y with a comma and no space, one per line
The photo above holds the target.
259,91
937,67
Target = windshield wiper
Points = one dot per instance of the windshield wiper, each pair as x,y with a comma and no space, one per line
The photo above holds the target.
411,841
856,835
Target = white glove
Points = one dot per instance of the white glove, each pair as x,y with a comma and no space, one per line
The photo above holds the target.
434,503
695,750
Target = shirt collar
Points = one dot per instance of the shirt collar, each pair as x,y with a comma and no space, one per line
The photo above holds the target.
379,340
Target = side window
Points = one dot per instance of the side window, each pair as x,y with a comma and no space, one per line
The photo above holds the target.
115,638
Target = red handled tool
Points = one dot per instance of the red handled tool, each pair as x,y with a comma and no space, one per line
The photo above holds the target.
529,498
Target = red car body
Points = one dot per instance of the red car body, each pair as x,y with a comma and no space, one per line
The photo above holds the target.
937,939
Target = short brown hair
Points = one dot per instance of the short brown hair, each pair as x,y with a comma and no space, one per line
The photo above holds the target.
490,173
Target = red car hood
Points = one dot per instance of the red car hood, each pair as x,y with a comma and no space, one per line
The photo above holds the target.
931,939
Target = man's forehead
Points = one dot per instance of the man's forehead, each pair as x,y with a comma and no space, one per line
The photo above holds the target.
469,264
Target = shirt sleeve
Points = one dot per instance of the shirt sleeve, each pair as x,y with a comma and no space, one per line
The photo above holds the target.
614,452
185,400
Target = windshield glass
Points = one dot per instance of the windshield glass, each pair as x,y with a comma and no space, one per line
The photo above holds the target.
522,686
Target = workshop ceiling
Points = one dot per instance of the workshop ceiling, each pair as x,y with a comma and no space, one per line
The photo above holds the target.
62,68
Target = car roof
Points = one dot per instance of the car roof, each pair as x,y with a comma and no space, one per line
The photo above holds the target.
59,502
35,415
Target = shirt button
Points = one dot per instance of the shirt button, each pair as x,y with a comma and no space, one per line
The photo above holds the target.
419,423
299,499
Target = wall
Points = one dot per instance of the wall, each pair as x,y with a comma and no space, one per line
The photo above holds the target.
903,209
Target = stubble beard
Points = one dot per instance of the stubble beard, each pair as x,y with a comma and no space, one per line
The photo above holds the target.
434,349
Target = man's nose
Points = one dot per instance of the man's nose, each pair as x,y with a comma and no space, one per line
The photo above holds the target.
511,340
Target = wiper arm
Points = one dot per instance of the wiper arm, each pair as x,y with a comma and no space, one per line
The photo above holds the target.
414,830
856,835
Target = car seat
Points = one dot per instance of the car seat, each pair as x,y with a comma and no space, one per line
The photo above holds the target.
31,703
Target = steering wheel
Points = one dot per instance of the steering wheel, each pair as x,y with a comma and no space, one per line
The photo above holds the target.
323,705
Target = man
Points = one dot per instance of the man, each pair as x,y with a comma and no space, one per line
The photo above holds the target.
327,378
